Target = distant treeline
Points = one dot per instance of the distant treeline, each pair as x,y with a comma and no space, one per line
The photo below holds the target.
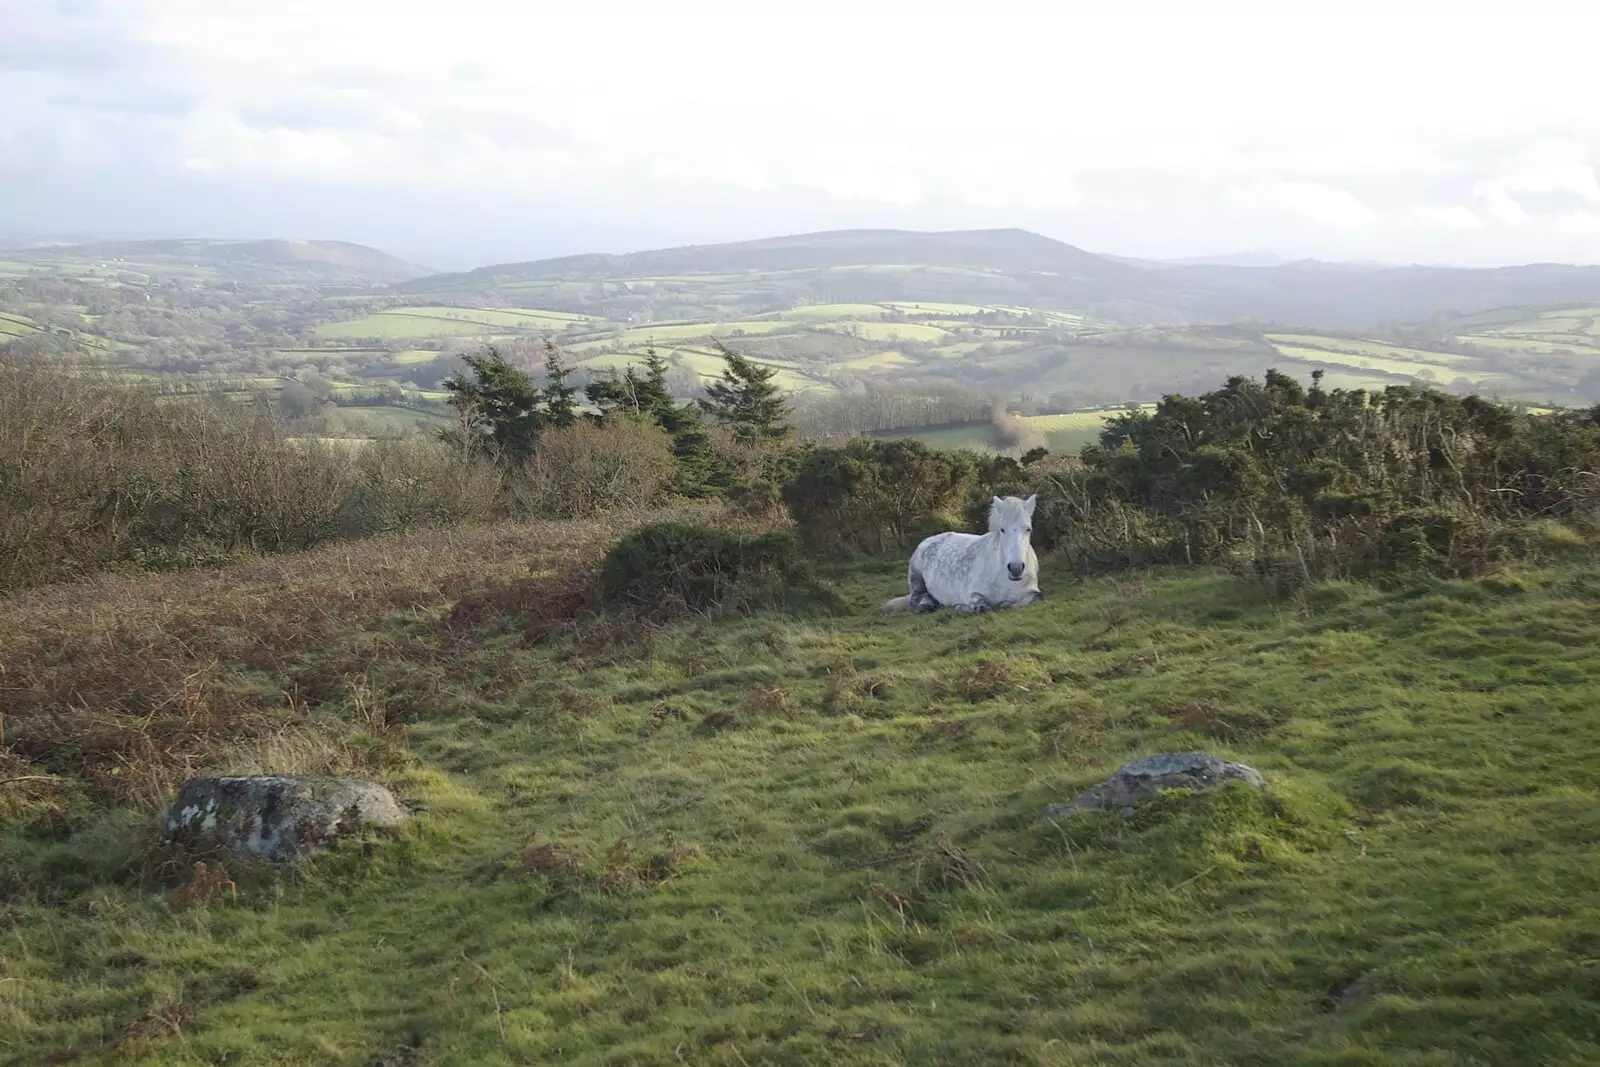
878,408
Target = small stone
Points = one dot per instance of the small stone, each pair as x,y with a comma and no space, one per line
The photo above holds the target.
1359,990
276,817
1149,775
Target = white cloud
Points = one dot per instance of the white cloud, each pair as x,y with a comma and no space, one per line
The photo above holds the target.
1146,127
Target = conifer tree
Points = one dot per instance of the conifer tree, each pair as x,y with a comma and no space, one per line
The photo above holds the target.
557,394
502,400
746,399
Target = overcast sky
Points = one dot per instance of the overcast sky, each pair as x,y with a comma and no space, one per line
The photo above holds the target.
469,132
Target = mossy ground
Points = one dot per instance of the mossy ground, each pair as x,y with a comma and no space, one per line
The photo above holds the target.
801,841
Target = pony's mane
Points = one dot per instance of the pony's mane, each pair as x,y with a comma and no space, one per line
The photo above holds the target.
1006,511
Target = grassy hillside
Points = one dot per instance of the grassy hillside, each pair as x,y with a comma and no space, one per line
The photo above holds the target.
1004,313
796,840
1015,267
245,261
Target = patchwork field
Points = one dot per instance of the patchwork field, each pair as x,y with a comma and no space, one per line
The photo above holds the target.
17,325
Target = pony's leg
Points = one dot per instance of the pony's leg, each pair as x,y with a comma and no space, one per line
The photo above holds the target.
977,604
922,601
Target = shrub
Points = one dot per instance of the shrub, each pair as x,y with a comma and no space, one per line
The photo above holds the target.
97,473
1048,480
874,495
622,464
409,483
1290,483
672,569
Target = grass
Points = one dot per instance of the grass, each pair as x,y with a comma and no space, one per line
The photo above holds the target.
840,312
978,436
1076,420
875,361
797,841
1396,367
923,307
890,331
384,421
1377,349
416,355
398,325
647,334
17,325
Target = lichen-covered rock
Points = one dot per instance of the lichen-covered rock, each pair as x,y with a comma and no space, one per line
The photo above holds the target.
278,817
1150,775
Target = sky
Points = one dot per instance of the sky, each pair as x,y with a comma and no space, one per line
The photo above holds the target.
463,133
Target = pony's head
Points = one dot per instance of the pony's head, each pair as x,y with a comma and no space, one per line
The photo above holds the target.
1012,519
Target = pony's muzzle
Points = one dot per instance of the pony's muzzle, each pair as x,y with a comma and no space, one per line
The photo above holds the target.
1016,570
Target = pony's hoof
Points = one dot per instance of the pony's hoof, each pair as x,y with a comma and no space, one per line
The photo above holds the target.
1037,596
924,604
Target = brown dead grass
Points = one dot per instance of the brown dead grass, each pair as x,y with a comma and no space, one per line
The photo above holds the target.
120,688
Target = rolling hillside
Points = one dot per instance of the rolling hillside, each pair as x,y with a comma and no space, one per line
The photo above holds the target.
1016,267
247,261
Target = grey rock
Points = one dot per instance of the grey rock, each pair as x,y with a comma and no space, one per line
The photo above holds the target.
1149,775
1358,991
278,817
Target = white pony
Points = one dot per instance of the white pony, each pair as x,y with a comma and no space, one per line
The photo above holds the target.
977,572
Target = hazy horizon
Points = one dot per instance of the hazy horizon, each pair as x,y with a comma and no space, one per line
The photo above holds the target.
1140,130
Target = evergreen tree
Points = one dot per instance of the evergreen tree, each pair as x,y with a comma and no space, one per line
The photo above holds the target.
654,396
558,395
746,399
617,394
644,394
502,400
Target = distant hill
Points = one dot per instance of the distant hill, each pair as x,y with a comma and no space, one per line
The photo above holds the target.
1007,267
1006,251
1236,259
326,260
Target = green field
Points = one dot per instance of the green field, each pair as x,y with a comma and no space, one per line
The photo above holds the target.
815,840
833,312
399,326
876,361
416,355
923,307
977,436
383,421
440,321
1375,349
1398,367
890,331
17,325
1075,421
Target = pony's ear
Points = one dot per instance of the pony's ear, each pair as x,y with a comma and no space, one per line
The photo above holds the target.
994,501
1030,502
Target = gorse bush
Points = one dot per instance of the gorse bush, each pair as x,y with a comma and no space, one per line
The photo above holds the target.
875,495
1294,483
97,473
622,464
671,569
412,483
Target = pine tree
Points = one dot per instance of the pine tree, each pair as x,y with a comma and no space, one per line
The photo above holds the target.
646,395
654,396
746,399
502,400
558,395
617,394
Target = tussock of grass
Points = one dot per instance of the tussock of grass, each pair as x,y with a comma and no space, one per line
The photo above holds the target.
762,839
